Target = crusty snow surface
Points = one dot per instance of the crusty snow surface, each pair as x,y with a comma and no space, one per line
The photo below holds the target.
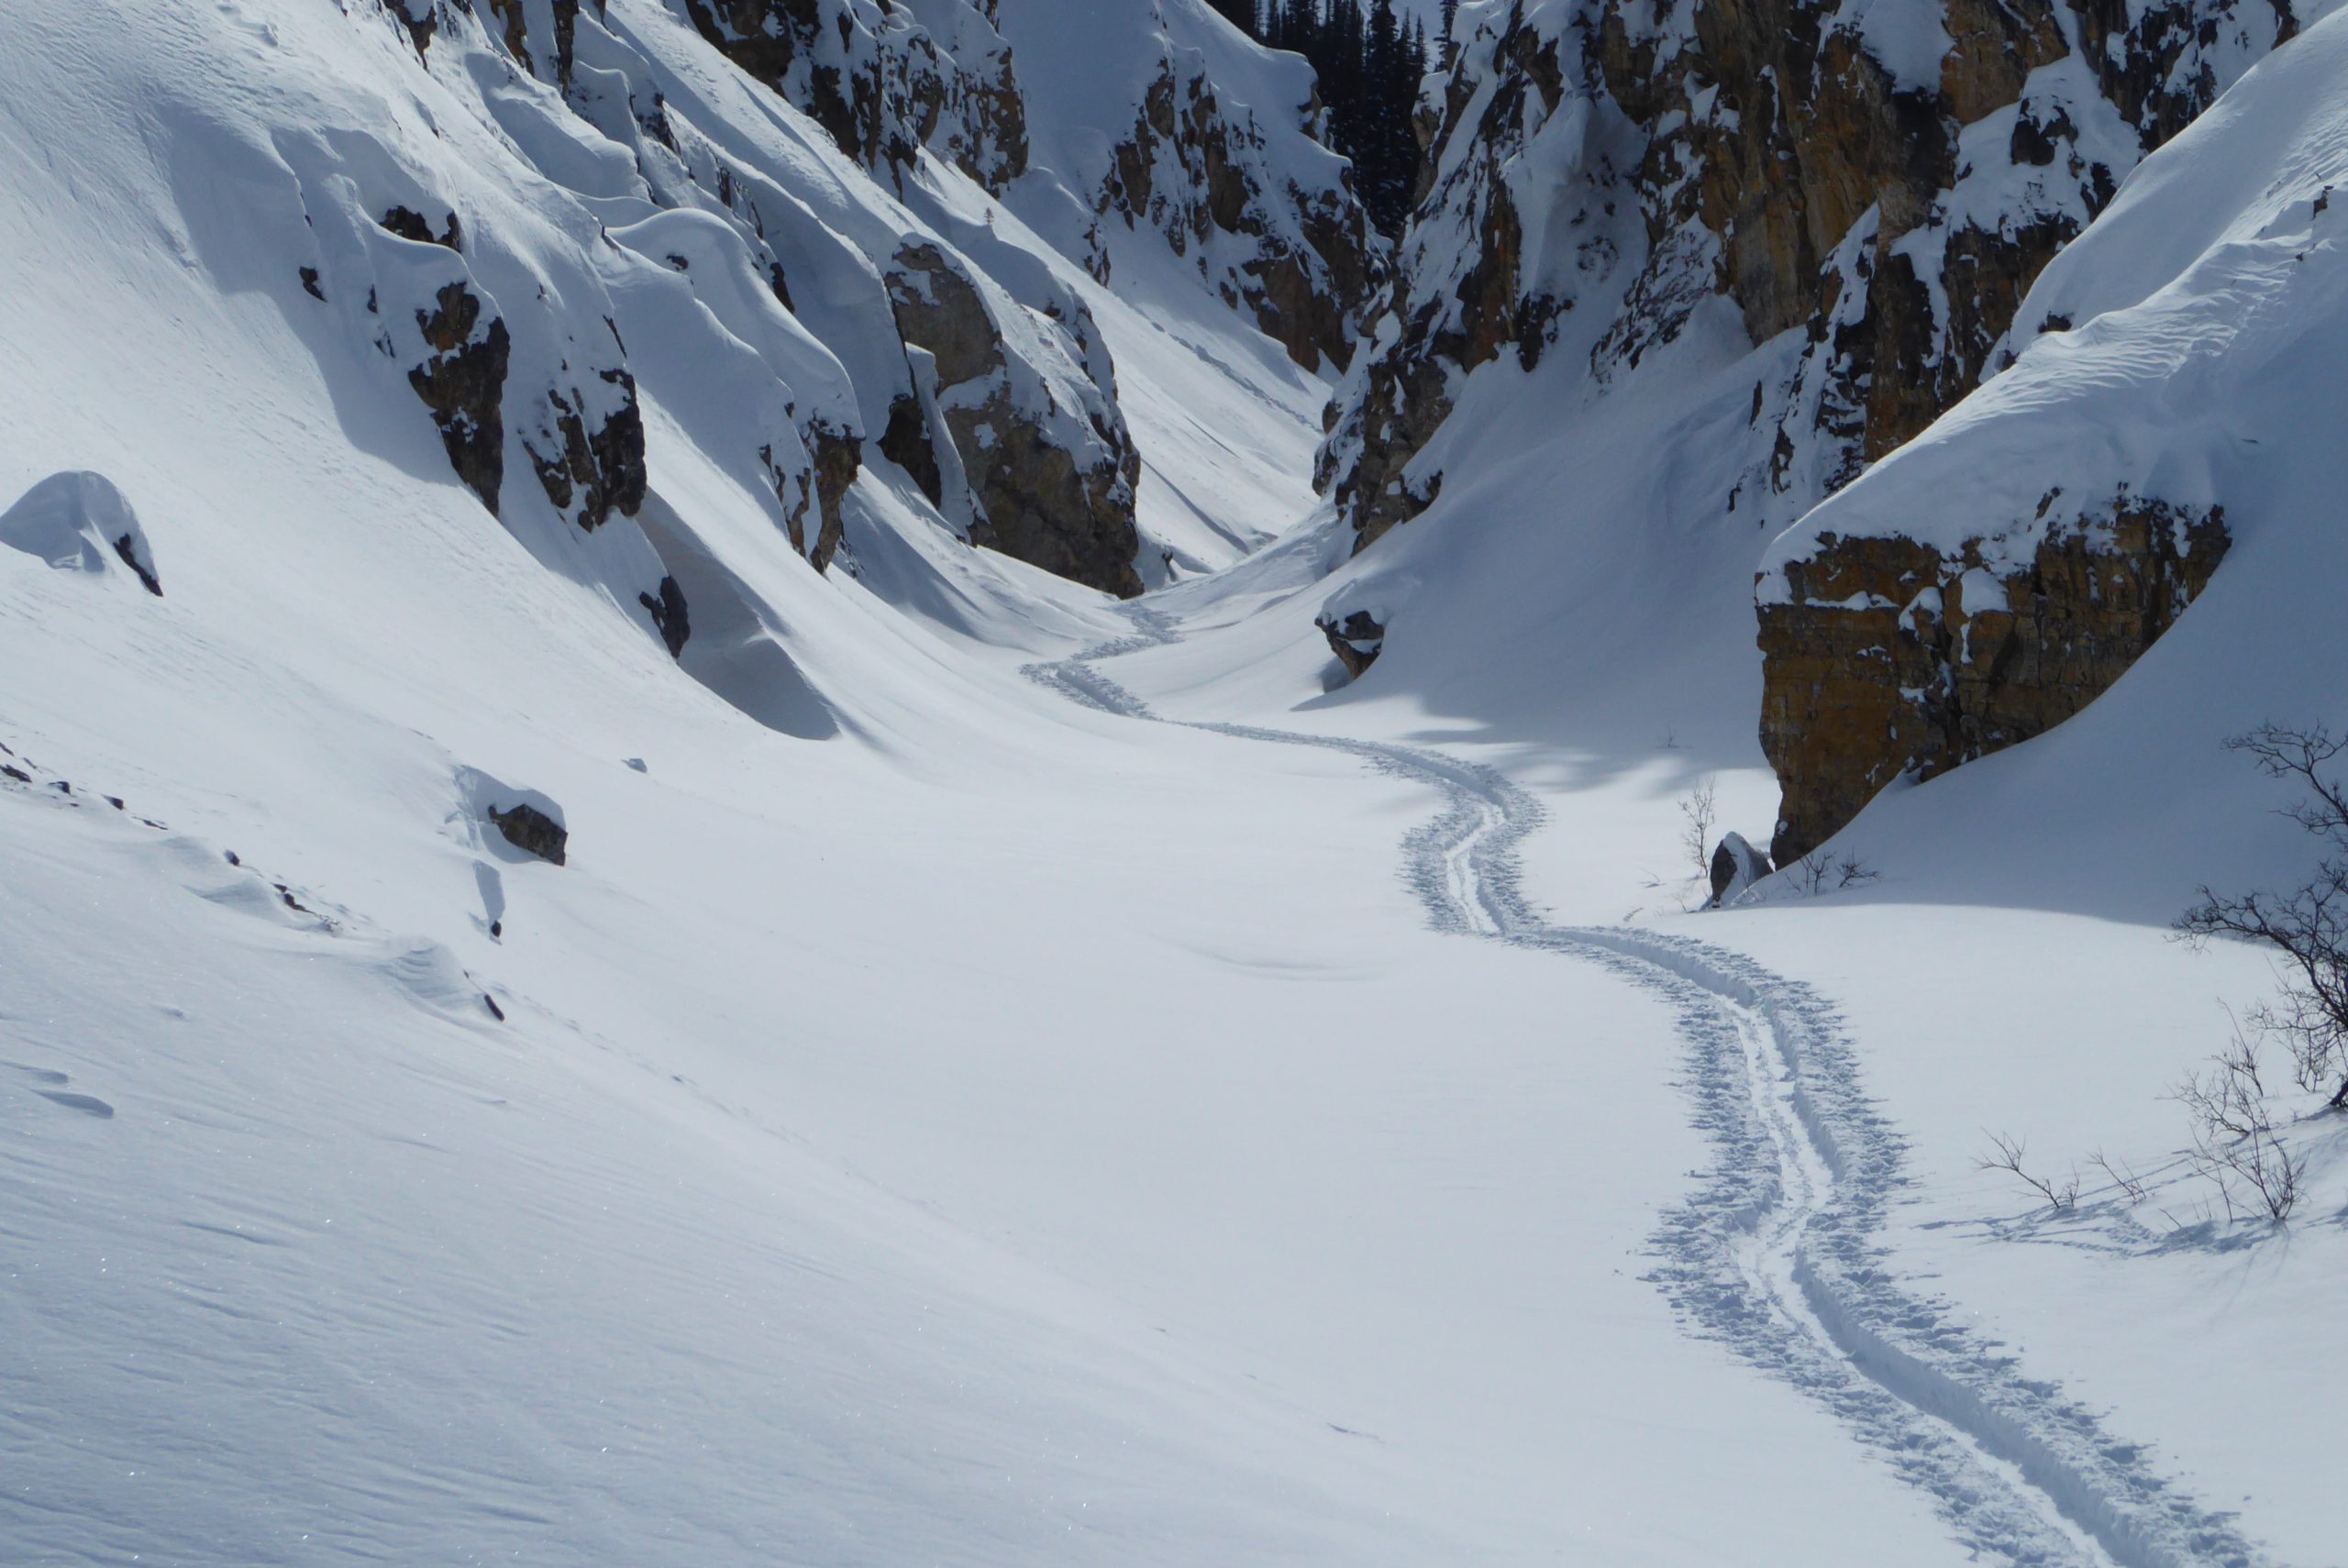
1007,1079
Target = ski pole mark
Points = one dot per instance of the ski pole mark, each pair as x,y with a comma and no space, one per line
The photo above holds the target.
1778,1253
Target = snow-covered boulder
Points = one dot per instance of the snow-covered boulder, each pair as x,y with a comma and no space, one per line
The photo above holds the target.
74,521
1736,866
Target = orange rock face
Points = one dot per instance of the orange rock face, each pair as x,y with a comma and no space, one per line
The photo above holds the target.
1887,658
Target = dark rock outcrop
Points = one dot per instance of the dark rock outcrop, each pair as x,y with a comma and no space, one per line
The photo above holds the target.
532,832
597,465
127,546
1357,639
409,223
1885,658
462,383
870,75
564,16
1192,169
1055,490
822,490
906,443
668,616
839,458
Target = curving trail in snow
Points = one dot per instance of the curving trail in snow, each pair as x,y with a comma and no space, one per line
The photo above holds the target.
1776,1254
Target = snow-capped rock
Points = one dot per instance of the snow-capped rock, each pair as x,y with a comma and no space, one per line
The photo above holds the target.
1736,867
1884,657
75,521
1355,637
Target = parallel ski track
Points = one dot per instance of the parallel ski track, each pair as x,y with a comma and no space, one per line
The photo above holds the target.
1777,1253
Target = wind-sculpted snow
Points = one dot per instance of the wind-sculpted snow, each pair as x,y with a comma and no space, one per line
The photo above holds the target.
1777,1253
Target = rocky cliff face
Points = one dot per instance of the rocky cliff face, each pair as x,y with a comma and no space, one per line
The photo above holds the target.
880,306
1884,184
1054,484
1180,138
1886,657
884,79
892,322
1195,173
1863,196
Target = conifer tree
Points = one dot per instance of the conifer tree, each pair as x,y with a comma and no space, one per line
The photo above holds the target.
1370,65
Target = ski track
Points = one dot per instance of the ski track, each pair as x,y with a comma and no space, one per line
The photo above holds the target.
1777,1254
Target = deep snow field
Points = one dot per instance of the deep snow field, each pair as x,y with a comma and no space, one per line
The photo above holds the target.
953,1107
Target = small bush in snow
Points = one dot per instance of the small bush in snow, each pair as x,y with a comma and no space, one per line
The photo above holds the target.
1698,813
1815,874
2309,925
2234,1142
2006,1155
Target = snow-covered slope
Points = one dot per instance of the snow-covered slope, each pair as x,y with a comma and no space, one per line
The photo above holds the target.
582,981
1574,612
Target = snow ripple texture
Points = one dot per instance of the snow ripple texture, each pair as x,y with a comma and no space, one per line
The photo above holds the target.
1776,1254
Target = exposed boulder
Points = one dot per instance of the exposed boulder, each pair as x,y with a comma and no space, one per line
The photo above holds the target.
532,831
1357,638
1885,658
668,616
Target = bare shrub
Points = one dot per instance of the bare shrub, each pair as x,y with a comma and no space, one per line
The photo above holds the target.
2006,1155
2129,1185
1815,874
2309,925
2234,1142
1698,812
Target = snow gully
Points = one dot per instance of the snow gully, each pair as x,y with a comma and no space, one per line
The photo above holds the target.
1776,1252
